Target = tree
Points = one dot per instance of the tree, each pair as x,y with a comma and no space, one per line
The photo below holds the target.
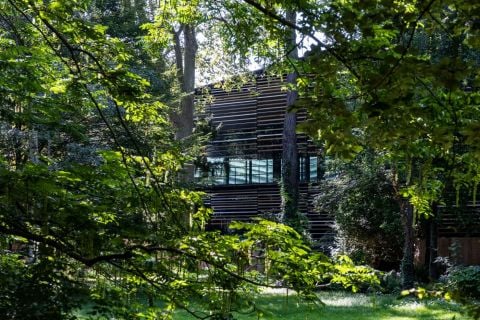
290,176
88,169
236,29
204,38
179,20
381,79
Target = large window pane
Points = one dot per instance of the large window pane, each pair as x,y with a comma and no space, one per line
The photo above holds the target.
238,171
217,170
262,171
313,168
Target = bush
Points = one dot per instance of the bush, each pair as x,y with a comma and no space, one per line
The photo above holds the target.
391,282
34,291
464,281
367,215
463,285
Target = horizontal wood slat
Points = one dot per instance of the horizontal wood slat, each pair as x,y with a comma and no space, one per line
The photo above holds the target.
463,221
245,202
250,125
250,119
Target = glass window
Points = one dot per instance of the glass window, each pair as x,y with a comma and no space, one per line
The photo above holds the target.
216,170
198,173
238,171
262,171
313,168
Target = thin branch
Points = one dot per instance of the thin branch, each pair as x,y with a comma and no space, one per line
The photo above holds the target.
157,188
294,26
441,25
407,47
331,51
432,94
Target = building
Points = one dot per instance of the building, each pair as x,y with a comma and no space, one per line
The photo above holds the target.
243,165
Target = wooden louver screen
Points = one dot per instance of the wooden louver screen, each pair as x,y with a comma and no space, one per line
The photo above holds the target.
250,126
250,120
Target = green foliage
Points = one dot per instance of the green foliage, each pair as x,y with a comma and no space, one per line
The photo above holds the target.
363,202
399,78
285,256
353,277
88,175
37,290
89,167
391,282
460,284
377,78
464,281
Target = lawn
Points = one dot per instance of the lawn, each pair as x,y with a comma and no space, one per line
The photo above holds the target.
346,306
340,305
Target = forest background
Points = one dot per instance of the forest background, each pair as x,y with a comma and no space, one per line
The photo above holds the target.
98,139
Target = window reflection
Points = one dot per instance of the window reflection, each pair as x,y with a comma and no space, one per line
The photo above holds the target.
238,171
222,171
262,171
313,168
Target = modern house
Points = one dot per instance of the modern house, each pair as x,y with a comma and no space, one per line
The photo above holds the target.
242,168
243,164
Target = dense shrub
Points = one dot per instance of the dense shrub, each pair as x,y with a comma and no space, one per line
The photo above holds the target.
462,284
34,291
362,200
464,281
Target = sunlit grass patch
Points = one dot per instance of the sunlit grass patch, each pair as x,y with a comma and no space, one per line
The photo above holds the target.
338,305
347,306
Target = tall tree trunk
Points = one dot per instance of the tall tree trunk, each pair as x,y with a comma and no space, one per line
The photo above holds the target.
290,177
185,54
407,267
185,116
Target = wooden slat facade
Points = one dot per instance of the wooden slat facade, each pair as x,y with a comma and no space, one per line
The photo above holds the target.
459,221
244,202
250,122
250,125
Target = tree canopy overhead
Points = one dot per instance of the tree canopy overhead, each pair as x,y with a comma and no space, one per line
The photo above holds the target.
89,186
89,164
398,77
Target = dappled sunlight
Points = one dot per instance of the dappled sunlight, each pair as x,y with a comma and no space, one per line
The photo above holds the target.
339,305
343,306
342,300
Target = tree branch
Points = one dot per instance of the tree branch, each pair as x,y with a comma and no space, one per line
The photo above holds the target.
407,47
309,34
72,49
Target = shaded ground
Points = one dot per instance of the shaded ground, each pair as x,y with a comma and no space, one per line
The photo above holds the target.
346,306
339,306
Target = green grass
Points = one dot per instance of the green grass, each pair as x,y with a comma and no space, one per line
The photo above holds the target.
341,305
347,306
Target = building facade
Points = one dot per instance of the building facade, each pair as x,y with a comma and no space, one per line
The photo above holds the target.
242,168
